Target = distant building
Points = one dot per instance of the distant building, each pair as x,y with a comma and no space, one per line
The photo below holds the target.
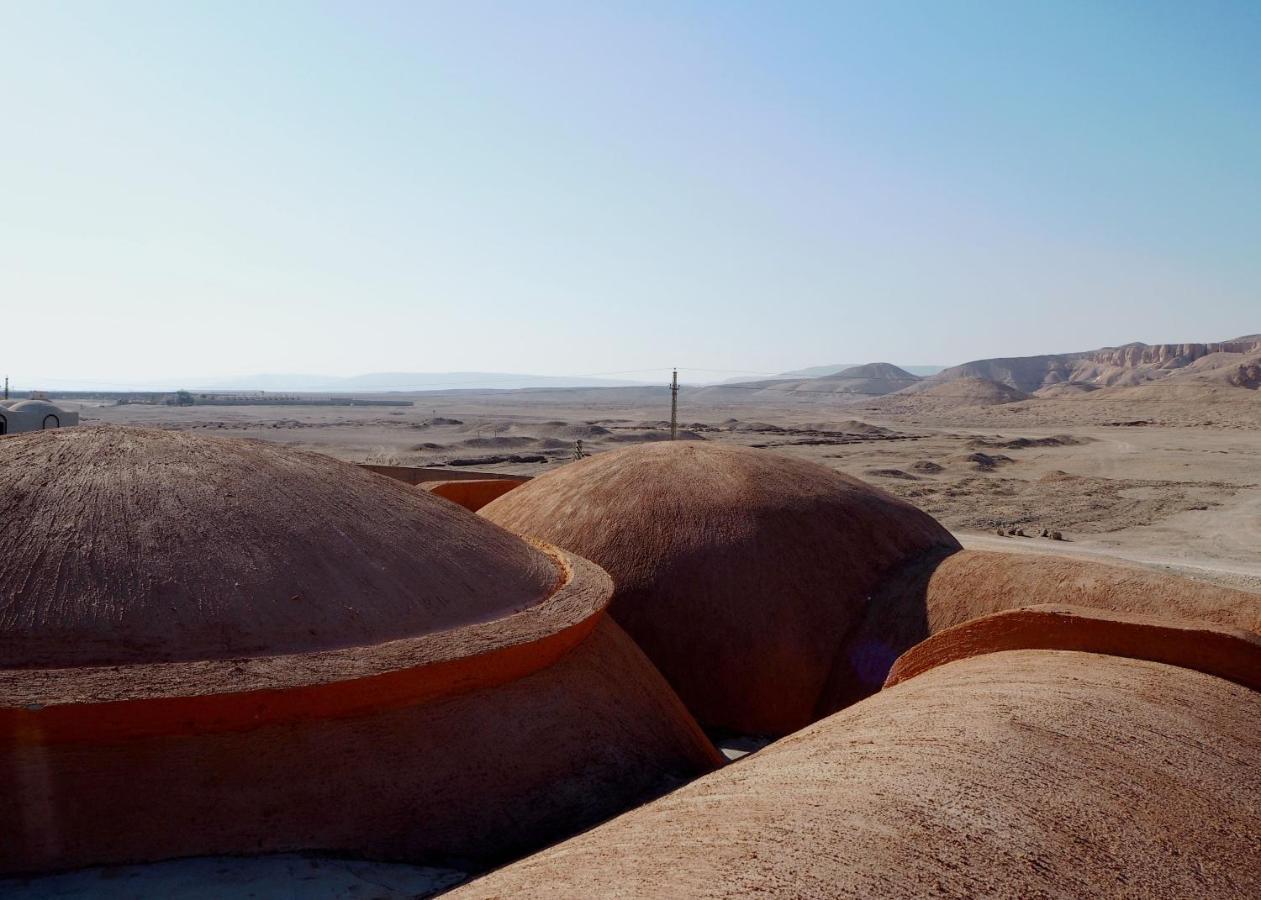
33,415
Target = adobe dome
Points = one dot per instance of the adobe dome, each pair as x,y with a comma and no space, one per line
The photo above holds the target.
939,593
35,406
291,653
1016,773
975,583
135,545
739,572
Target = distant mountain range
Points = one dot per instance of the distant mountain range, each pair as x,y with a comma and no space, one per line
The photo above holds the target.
405,381
870,380
1138,371
1133,365
824,371
375,382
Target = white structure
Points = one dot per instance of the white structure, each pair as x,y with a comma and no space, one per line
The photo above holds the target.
33,415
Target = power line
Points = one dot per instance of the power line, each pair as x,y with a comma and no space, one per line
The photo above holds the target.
674,406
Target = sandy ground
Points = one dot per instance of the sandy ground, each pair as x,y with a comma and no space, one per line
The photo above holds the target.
1185,497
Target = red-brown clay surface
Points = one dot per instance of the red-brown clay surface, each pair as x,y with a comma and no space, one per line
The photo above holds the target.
740,573
126,545
426,475
1028,773
977,582
471,779
934,593
494,723
104,703
472,495
1230,653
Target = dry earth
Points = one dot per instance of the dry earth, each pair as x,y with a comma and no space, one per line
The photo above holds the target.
1182,490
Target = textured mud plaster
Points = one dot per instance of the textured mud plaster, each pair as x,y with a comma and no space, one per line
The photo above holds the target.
938,591
472,779
1230,653
135,545
742,574
1027,773
977,582
447,692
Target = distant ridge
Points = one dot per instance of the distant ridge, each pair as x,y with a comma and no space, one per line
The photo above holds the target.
1130,365
374,382
824,371
870,380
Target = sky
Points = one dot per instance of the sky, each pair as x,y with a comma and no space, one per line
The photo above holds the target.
225,188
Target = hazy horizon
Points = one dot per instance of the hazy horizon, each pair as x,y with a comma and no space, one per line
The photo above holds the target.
222,190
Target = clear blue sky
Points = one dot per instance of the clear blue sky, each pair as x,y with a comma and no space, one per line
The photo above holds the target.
238,187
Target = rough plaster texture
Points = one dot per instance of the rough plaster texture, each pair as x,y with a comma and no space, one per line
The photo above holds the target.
939,591
1030,773
129,545
977,582
467,780
217,647
101,703
740,573
1230,653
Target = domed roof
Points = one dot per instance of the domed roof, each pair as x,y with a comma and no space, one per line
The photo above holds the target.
9,404
977,582
35,406
739,572
1019,773
127,545
939,593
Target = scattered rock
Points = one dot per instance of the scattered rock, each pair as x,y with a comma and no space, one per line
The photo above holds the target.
984,462
503,458
891,473
1022,443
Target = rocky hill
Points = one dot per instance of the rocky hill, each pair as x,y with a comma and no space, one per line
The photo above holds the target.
856,382
1131,365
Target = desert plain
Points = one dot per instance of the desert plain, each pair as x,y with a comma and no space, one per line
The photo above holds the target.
1164,483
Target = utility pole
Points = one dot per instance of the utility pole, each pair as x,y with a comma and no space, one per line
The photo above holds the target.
674,406
6,387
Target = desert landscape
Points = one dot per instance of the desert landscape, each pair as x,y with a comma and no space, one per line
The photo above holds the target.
1150,455
767,580
674,451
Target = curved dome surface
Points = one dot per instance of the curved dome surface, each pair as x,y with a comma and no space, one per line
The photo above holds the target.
938,593
479,776
35,406
1027,773
976,583
739,572
127,545
288,652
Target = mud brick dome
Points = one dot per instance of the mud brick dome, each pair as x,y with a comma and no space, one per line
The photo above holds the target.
130,545
976,582
290,653
740,573
985,770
